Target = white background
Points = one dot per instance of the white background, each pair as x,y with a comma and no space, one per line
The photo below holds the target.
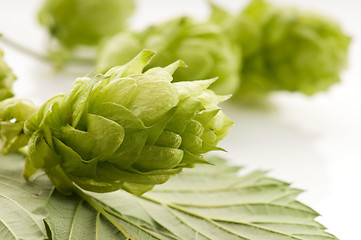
313,143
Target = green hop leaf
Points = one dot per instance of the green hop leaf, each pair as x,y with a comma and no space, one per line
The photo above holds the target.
125,129
206,202
285,49
6,79
13,113
85,22
18,199
203,46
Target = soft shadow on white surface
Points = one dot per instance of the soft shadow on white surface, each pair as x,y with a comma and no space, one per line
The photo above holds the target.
262,139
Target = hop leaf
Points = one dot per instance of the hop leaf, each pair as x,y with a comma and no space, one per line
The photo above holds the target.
13,113
6,79
205,49
206,202
125,129
285,49
74,22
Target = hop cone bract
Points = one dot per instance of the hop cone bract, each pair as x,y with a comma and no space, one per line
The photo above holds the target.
13,113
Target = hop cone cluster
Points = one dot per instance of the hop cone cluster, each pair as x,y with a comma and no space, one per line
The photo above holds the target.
6,79
13,113
285,49
74,22
206,50
125,129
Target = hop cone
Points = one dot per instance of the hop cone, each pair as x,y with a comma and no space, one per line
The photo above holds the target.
125,129
13,113
286,49
6,79
206,50
74,22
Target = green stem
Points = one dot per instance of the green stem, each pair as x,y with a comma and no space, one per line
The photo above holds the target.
42,57
101,210
24,49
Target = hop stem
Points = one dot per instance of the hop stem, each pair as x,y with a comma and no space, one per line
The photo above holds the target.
39,56
24,49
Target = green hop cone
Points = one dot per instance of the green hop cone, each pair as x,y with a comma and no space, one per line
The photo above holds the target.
6,79
285,49
207,52
84,22
13,113
125,129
